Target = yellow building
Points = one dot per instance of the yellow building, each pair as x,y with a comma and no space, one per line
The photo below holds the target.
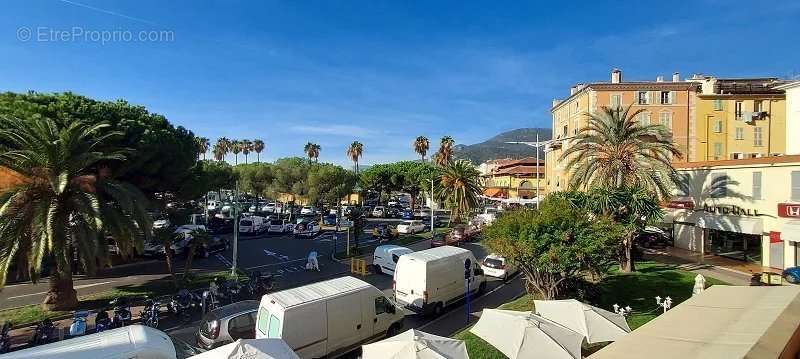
740,118
513,179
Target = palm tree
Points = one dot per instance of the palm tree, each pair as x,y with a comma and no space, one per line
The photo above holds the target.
218,152
444,156
312,151
202,145
460,186
258,146
355,151
67,202
421,146
246,146
224,145
236,148
617,151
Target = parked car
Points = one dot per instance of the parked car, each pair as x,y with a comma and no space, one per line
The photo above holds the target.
329,220
213,245
379,212
252,225
366,211
220,225
269,207
428,281
306,228
437,222
408,214
308,210
411,227
497,266
131,341
385,231
228,324
329,318
653,237
213,205
277,226
792,275
384,259
161,223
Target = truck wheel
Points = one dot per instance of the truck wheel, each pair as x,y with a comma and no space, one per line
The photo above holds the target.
438,309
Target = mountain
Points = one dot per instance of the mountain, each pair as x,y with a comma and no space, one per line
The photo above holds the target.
497,146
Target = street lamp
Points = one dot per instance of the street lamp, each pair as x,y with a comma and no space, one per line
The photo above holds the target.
666,303
433,229
622,311
535,145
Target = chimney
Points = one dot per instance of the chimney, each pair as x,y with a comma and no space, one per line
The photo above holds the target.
556,102
676,77
659,78
573,90
616,76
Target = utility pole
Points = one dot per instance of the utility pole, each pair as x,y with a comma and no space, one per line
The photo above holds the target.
535,145
433,229
235,208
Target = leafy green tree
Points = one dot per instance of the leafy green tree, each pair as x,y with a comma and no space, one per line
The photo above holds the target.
460,187
615,150
413,178
161,154
247,147
329,183
69,200
377,178
165,237
554,245
255,178
290,176
200,238
207,176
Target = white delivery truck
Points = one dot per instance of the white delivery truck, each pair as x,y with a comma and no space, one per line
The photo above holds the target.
329,318
133,341
385,258
428,281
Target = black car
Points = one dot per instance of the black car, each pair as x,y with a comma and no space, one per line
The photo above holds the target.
214,244
220,225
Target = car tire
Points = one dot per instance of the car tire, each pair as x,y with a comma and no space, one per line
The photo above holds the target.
377,269
438,309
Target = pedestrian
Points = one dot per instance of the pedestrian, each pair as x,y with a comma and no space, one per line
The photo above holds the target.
313,263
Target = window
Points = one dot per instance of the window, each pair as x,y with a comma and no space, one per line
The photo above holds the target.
274,327
757,106
380,305
241,327
616,101
666,97
717,105
644,118
795,185
575,126
263,318
738,110
643,97
717,126
756,185
739,133
758,141
564,133
717,151
665,118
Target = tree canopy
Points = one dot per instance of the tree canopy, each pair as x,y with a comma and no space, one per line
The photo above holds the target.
329,183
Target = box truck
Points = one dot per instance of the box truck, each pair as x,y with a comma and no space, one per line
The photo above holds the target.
330,318
428,281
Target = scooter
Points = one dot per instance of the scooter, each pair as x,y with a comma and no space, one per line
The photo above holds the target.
150,313
101,321
122,312
43,333
78,326
181,304
260,284
5,340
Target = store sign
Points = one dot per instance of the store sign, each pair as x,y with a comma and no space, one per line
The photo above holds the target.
680,204
774,237
790,210
730,209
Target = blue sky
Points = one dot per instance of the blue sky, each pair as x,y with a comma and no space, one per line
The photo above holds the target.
378,72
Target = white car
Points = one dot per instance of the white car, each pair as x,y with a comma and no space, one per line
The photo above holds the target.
161,223
213,205
385,258
379,211
496,266
308,210
269,208
411,227
276,226
306,229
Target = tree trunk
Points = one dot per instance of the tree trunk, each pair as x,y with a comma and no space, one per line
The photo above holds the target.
188,266
626,264
62,294
168,259
414,203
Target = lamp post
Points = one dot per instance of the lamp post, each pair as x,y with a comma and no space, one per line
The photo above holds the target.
666,303
235,209
622,311
535,145
433,229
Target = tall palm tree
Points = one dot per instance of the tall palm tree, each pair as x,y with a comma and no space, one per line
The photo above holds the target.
258,146
224,145
460,187
67,202
235,148
202,145
616,151
421,146
246,146
218,152
355,151
444,156
312,151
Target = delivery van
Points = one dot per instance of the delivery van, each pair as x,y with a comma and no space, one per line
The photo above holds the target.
330,318
252,225
129,342
385,257
428,281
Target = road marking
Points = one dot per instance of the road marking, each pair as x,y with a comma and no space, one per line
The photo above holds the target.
224,260
276,255
76,288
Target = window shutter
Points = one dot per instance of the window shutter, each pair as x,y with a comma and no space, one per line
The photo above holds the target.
795,185
756,185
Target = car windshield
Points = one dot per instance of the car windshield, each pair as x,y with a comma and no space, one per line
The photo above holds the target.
407,223
246,223
493,262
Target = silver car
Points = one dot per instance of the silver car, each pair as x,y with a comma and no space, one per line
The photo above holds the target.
227,324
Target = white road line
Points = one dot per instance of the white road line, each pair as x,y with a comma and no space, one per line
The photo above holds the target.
76,288
276,264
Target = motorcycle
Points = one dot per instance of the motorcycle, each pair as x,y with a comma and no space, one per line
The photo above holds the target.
5,339
259,284
150,313
101,321
122,312
43,333
231,290
78,326
181,304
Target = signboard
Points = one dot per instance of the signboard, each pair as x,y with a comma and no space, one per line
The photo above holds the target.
789,210
681,204
730,209
774,237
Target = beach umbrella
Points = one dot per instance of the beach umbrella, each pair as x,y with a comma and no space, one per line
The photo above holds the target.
595,324
267,348
527,335
414,344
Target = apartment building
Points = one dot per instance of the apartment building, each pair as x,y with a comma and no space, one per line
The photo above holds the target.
513,179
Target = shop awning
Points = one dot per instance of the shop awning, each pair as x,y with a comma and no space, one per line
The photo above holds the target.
790,231
494,193
747,225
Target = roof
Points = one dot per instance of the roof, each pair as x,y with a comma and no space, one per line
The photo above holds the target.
435,253
740,162
231,309
747,86
317,291
721,322
788,85
630,85
520,170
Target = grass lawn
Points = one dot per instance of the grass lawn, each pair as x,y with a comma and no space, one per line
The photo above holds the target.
637,290
31,314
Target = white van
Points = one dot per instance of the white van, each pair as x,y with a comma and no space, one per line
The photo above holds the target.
252,225
428,281
328,318
385,258
129,342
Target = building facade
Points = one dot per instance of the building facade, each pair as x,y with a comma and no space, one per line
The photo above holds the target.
513,179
